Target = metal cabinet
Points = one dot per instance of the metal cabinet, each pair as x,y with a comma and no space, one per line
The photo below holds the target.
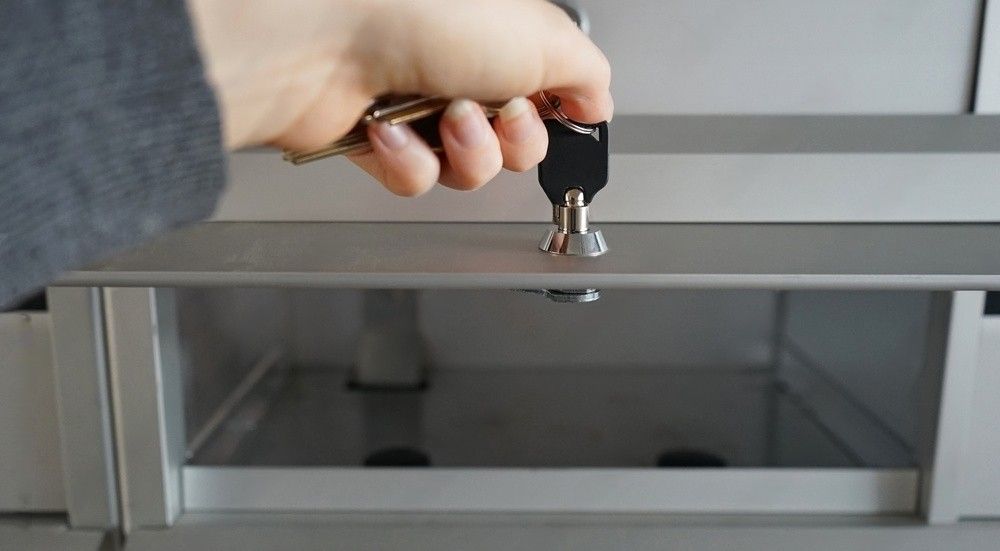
800,195
145,360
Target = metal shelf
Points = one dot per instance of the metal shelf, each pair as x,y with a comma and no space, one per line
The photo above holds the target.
479,255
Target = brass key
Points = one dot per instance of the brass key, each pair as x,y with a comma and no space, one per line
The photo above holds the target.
422,112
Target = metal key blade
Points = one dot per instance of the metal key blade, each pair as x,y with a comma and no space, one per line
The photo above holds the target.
355,142
396,110
407,111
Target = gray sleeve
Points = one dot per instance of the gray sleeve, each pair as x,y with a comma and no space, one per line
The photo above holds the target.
109,133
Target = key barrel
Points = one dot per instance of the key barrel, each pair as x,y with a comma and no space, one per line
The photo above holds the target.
573,215
572,235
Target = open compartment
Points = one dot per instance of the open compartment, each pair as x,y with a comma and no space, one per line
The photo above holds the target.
363,399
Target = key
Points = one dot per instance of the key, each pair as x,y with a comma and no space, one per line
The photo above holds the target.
390,110
422,113
573,171
574,160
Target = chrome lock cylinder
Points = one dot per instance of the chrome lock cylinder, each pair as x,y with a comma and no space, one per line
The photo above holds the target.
571,233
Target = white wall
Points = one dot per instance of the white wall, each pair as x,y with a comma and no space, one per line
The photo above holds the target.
785,56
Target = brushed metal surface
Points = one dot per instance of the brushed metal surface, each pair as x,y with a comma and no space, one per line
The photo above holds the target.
476,256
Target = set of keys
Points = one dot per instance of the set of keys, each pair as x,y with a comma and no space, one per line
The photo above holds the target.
423,115
575,167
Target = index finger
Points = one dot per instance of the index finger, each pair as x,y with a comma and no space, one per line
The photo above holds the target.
580,75
479,52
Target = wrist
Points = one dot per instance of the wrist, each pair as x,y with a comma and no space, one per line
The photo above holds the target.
269,63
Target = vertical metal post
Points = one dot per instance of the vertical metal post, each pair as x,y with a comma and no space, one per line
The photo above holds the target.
391,351
144,358
953,348
391,357
85,428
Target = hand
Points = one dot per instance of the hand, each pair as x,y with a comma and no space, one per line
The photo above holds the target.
299,73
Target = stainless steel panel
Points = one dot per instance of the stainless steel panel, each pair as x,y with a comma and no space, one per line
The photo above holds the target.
775,256
790,491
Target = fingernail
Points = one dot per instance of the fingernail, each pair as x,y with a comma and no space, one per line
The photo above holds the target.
516,119
393,136
468,129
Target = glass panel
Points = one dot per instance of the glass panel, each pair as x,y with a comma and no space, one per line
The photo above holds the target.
511,379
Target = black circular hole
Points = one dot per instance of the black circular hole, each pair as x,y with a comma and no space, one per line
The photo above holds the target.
689,458
398,457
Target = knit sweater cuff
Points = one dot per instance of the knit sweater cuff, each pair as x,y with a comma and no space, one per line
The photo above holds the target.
110,133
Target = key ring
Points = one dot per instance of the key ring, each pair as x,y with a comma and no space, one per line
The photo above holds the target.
552,106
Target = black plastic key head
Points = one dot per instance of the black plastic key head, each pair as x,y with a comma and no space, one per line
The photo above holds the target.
574,160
